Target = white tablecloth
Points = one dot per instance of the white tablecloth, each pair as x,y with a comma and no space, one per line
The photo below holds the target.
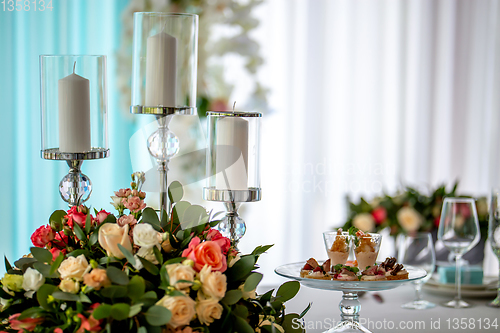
389,316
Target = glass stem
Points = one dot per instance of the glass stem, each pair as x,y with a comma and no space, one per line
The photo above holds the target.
418,292
458,275
498,286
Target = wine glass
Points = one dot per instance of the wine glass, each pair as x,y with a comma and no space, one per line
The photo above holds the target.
494,236
459,232
418,250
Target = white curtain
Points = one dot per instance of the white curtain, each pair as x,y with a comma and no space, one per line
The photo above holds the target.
368,96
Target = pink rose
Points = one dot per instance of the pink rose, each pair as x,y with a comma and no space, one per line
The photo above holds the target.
126,219
76,215
42,236
134,204
206,253
123,193
216,236
101,216
60,240
27,324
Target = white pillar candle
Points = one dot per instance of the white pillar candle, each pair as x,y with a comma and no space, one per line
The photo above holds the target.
74,114
161,70
232,131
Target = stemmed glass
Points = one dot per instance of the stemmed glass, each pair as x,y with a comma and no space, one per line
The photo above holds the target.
459,232
494,236
417,250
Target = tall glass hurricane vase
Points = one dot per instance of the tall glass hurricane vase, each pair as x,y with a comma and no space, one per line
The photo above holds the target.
417,250
494,236
459,232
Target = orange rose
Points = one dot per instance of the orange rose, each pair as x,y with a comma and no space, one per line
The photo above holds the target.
206,253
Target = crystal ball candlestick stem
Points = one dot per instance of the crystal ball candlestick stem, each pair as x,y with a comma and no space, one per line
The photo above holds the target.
232,226
75,188
163,144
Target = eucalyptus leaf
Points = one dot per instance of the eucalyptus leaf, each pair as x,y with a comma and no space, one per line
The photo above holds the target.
45,270
261,249
158,254
241,268
149,266
178,211
102,311
287,291
120,311
114,292
24,263
149,216
193,216
158,315
135,310
41,254
242,326
56,220
43,293
136,287
56,263
80,234
117,276
175,191
232,297
61,295
252,282
128,255
34,312
241,311
291,323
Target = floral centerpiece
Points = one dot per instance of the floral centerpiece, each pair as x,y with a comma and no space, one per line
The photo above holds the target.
138,272
406,212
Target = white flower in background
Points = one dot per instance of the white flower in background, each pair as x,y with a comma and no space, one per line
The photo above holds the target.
364,222
74,267
32,281
145,236
409,219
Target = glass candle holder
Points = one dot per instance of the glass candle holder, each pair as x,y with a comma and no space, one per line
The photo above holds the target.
233,172
164,69
74,117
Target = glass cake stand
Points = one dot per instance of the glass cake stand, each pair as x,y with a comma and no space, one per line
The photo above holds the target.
349,305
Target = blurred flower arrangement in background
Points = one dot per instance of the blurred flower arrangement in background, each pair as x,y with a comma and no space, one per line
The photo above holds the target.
232,18
407,211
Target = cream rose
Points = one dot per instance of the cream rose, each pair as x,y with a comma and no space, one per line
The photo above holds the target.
208,310
178,272
364,222
213,284
69,286
74,268
96,279
110,235
409,219
32,281
182,308
145,235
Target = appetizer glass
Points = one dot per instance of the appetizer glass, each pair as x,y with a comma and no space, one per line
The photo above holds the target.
366,249
338,247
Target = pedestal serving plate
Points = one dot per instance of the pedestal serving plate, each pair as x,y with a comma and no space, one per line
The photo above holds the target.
349,305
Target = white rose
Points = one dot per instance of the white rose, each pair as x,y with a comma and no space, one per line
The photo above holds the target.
110,235
213,284
208,310
409,219
364,222
182,308
178,272
69,286
247,294
74,268
145,235
148,254
32,281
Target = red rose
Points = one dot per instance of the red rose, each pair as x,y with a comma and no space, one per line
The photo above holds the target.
101,216
76,215
42,236
379,214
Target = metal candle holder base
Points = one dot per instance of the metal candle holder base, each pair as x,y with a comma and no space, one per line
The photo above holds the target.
232,225
75,188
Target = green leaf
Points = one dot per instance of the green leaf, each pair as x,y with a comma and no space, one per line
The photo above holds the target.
303,313
149,216
136,287
149,266
232,297
128,255
158,315
61,295
193,216
56,263
8,267
242,326
107,260
261,249
241,268
291,323
164,219
117,276
24,263
88,223
175,191
102,311
56,220
114,292
142,329
34,312
79,232
94,237
174,261
287,291
120,311
149,299
178,211
134,310
84,298
241,311
252,282
158,254
78,252
43,293
45,270
41,254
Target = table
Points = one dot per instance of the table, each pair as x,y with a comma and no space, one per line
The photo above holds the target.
389,316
